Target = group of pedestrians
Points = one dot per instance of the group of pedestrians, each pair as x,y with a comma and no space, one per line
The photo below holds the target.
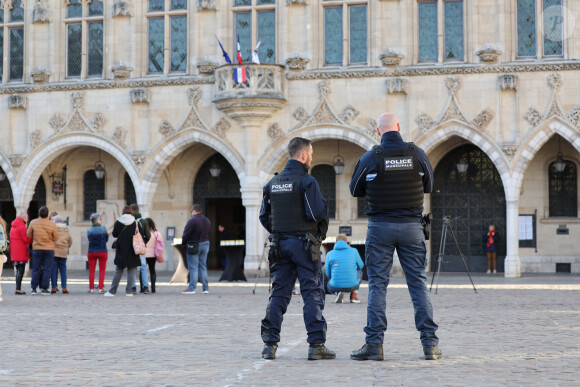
47,240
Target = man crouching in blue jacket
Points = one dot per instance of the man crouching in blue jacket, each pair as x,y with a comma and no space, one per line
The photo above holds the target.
342,265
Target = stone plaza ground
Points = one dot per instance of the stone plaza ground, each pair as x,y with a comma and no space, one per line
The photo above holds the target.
514,331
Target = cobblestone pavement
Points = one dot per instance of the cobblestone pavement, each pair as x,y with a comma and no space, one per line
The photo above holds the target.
520,331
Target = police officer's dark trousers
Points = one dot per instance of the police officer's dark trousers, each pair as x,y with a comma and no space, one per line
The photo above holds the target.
295,262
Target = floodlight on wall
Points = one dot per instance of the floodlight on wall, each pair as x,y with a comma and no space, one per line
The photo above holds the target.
462,166
100,168
338,162
2,175
215,170
560,164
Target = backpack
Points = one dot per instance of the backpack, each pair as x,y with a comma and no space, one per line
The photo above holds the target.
158,248
3,240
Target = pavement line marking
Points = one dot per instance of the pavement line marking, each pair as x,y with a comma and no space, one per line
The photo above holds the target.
161,328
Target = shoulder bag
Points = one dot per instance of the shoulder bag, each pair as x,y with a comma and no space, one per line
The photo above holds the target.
138,244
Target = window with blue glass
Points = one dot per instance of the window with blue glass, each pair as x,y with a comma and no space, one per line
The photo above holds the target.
563,190
428,49
12,38
88,17
255,21
544,37
167,16
345,22
454,45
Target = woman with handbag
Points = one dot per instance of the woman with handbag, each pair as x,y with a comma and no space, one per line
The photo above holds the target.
154,251
125,230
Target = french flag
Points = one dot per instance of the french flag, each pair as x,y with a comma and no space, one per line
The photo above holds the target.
240,75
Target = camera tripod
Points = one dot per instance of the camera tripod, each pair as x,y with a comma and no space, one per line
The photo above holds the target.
264,255
447,226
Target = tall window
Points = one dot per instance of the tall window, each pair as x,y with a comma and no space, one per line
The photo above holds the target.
167,24
93,190
84,39
452,22
550,29
12,41
345,32
326,178
255,21
563,190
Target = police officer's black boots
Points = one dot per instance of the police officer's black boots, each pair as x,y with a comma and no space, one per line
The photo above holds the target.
432,352
320,352
269,351
368,352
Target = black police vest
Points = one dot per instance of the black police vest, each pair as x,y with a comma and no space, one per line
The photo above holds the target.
398,183
287,204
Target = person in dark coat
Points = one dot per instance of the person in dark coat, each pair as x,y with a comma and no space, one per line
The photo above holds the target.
125,256
490,240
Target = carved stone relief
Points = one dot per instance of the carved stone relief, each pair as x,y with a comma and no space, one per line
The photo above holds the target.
349,113
139,159
221,127
166,129
16,161
574,116
41,12
391,58
57,122
509,150
488,55
193,95
122,8
297,63
300,114
533,116
35,139
507,81
206,5
424,122
396,85
554,81
78,100
275,132
206,67
371,128
98,123
140,96
119,136
482,120
296,2
17,101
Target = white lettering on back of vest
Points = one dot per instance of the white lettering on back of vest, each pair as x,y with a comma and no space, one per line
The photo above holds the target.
398,163
282,188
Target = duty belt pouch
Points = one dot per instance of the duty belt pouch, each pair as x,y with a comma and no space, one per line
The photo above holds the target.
192,248
315,251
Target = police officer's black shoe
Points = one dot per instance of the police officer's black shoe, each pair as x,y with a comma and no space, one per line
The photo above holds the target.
368,352
320,352
432,352
269,351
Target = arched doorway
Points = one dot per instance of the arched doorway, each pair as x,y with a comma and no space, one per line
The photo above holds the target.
219,195
473,199
38,199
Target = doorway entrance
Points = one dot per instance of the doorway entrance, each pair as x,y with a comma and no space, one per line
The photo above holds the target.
474,199
217,190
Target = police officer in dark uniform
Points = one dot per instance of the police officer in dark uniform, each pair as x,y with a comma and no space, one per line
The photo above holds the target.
294,213
393,177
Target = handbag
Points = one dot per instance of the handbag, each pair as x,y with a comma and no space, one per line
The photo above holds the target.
115,242
192,248
138,244
158,249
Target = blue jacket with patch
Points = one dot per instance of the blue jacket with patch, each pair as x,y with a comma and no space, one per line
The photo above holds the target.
342,262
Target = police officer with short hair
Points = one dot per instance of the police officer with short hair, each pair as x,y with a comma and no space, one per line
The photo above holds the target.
393,177
294,213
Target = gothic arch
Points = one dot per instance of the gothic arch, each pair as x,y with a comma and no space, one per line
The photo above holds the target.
39,159
165,152
534,142
10,175
439,135
277,152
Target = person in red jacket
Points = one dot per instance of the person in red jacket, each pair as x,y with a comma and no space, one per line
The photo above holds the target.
19,248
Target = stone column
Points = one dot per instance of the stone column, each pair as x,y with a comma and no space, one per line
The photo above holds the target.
255,233
512,259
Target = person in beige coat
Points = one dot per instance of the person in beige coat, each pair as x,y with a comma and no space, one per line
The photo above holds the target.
61,246
43,233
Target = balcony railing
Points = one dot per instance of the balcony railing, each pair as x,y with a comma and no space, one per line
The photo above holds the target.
262,81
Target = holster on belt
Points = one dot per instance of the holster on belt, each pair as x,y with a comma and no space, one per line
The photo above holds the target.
274,252
313,245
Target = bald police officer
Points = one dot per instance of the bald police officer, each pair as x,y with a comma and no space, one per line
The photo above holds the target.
294,213
393,177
